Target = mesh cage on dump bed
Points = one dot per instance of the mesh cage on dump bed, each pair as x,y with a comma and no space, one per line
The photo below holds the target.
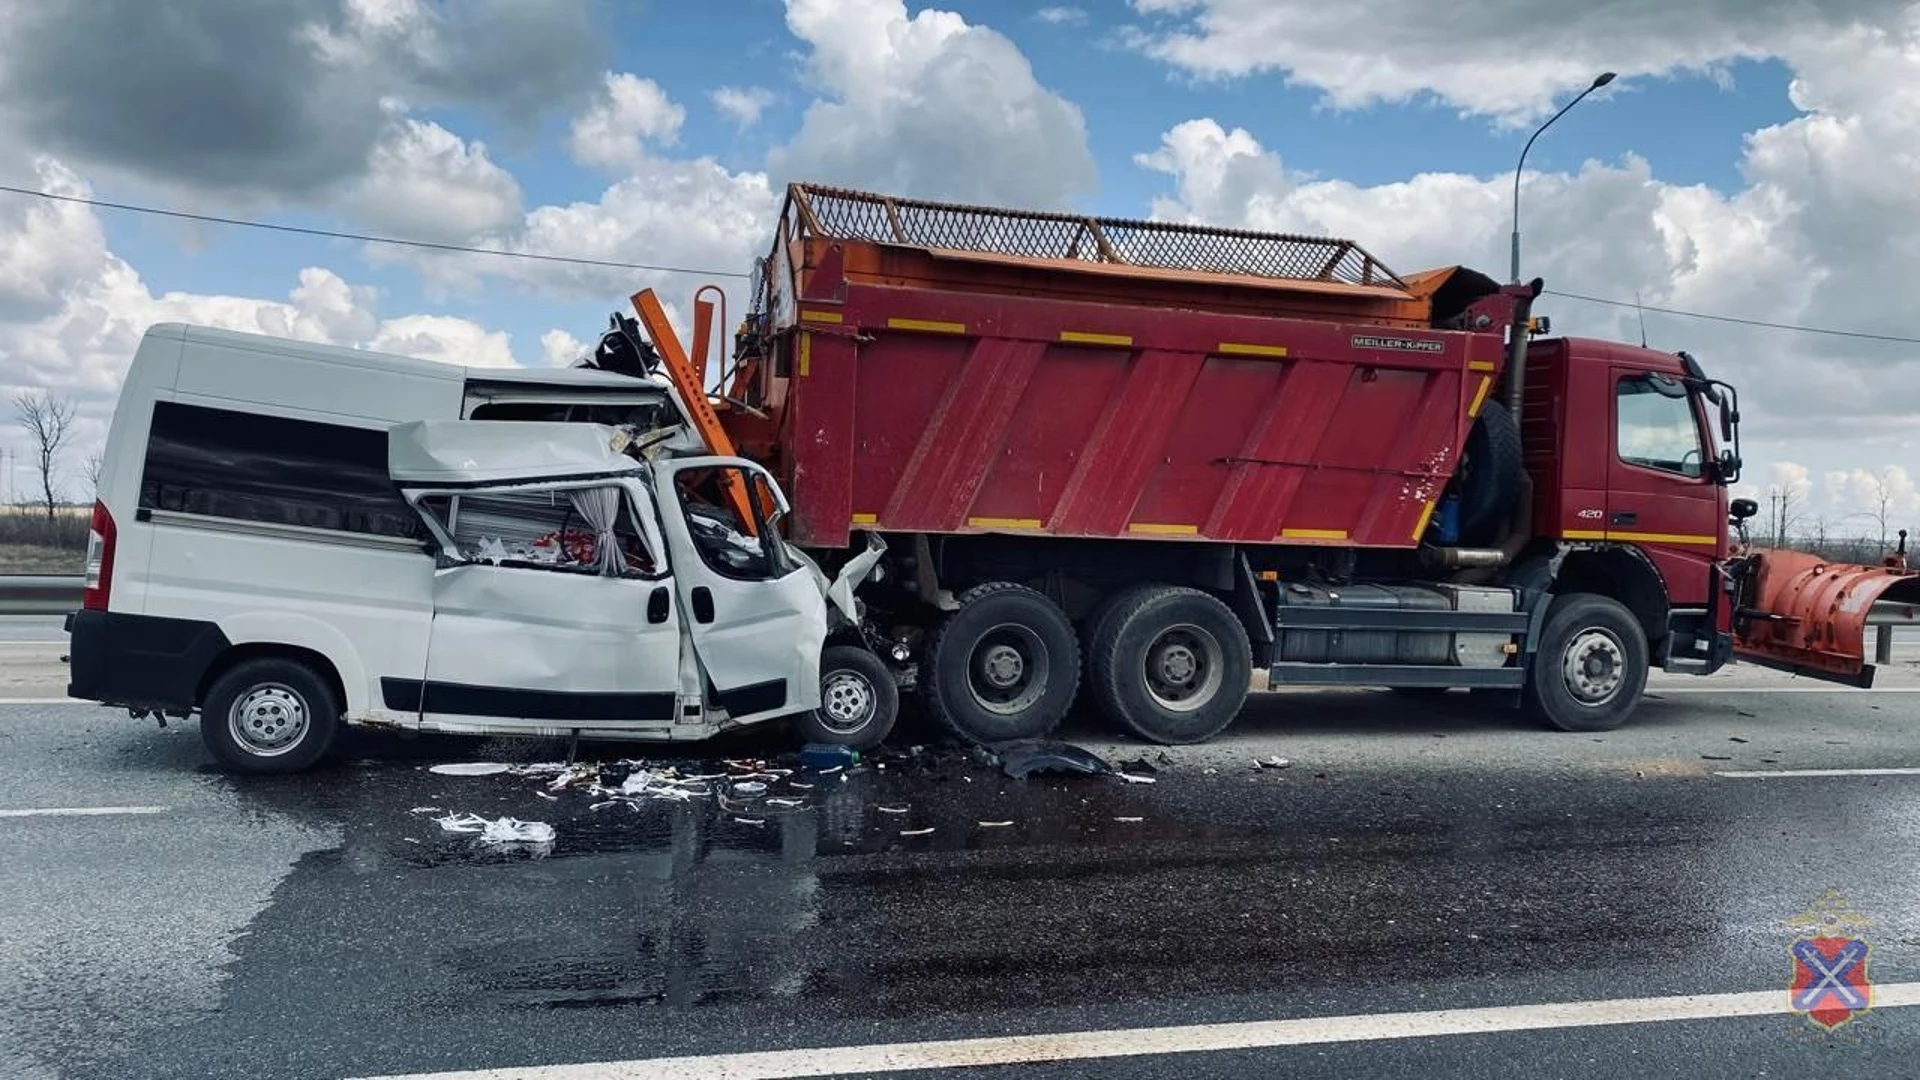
858,215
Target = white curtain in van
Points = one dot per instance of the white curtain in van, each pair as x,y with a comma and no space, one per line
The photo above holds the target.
600,508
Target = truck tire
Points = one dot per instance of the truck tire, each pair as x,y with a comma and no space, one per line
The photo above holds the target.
270,715
1003,666
1170,664
859,700
1591,667
1490,474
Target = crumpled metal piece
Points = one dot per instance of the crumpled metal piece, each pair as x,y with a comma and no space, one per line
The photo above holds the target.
1022,758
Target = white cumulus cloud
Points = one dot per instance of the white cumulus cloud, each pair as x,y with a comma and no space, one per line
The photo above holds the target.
630,113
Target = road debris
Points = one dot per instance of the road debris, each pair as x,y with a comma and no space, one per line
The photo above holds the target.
428,810
749,787
995,824
1274,762
1130,820
1023,758
750,820
893,809
1132,779
471,768
916,832
504,830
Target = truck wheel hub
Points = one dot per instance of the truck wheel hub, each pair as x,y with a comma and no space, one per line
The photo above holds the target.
1008,669
1594,667
268,720
1184,667
1002,666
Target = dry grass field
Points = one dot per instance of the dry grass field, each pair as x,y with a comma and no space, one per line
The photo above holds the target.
31,544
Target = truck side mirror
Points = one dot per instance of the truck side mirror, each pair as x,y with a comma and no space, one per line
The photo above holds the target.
1742,509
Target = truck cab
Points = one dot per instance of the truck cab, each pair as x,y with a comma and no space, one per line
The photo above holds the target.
1631,452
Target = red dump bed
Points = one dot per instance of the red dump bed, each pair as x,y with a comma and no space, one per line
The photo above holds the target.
960,370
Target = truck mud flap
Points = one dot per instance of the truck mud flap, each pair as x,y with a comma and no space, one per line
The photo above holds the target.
1809,616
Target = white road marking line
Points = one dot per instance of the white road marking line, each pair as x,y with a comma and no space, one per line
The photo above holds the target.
1196,1038
1654,691
1768,774
82,811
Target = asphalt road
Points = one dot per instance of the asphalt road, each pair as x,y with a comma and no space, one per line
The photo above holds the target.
1413,857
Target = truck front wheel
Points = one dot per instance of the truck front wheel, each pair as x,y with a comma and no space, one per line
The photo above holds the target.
1004,666
1591,667
1170,664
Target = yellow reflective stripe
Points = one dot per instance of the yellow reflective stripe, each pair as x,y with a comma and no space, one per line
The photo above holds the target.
1426,516
1003,523
1150,529
865,519
806,353
1080,337
1480,396
930,326
1480,365
1313,534
820,316
1234,348
1640,537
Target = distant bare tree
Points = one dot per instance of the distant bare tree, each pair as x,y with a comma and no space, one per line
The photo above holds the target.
1883,502
91,470
49,421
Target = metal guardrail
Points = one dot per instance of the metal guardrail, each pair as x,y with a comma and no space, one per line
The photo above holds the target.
39,594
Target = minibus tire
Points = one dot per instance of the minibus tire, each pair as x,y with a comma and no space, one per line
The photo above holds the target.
859,700
270,715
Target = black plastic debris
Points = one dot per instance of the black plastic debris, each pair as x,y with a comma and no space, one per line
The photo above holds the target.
1022,758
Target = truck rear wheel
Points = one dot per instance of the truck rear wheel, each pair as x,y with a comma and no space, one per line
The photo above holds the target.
1004,666
1591,667
1170,664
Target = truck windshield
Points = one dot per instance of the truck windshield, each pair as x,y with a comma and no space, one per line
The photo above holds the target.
1658,431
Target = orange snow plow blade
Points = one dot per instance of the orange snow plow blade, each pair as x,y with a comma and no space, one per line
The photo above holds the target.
1810,616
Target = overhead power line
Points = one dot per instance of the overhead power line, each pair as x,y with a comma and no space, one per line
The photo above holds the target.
614,264
1761,323
334,234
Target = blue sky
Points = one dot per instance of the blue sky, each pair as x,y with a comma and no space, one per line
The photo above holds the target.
1743,142
1690,126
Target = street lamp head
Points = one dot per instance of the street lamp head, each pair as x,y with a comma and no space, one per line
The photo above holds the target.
1605,78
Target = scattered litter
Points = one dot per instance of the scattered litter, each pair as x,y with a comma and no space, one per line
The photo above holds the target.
786,802
916,832
1130,819
1209,771
995,824
798,786
1026,757
1138,766
1736,738
968,779
1132,779
830,772
751,820
549,798
471,768
1274,762
427,810
409,839
1716,757
1745,713
504,830
576,774
606,803
749,787
892,809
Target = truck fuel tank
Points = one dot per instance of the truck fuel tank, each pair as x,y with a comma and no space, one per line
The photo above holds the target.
1381,643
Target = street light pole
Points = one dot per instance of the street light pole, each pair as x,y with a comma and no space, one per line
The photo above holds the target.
1604,78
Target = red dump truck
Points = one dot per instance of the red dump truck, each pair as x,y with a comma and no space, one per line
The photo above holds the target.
1155,464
